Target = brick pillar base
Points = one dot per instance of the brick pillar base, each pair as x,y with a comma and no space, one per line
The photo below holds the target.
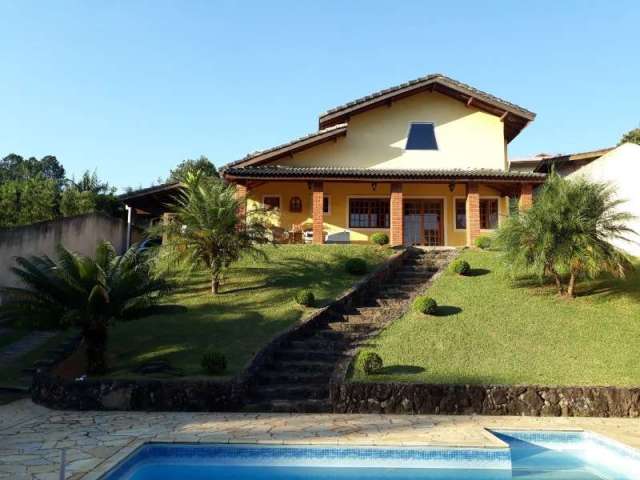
317,214
396,216
241,196
526,197
473,213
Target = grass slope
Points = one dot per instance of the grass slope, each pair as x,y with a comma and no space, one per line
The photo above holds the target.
496,330
255,304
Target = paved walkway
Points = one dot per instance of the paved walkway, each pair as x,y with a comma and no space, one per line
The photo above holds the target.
32,437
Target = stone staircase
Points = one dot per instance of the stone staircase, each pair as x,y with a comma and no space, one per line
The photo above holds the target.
297,377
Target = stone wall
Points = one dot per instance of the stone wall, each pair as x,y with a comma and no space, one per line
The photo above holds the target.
419,398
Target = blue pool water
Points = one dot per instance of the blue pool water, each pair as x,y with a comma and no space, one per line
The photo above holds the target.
529,456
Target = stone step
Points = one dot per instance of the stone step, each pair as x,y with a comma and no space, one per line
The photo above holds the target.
349,336
296,367
293,392
289,406
318,343
272,377
308,355
352,326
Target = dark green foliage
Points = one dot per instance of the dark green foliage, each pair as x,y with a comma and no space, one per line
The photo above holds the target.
306,298
202,166
370,362
380,238
568,233
213,362
483,242
89,293
461,267
632,136
356,266
426,305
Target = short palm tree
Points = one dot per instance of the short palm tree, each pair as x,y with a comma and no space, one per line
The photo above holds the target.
88,293
206,231
568,233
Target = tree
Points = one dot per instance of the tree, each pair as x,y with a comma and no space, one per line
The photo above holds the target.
89,194
76,202
84,292
567,234
202,165
206,231
27,201
632,136
15,167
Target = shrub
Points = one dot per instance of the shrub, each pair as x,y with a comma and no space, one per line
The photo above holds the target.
356,266
370,362
305,297
461,267
380,238
483,242
426,305
213,362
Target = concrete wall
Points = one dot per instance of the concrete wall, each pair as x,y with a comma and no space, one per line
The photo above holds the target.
620,167
467,138
80,234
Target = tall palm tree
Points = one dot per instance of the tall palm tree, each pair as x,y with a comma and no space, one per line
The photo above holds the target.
89,293
569,233
206,231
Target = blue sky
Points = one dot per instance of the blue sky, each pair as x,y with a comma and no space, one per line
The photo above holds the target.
131,88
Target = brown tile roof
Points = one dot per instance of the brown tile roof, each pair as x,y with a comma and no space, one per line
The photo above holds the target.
546,161
165,187
442,84
298,144
312,173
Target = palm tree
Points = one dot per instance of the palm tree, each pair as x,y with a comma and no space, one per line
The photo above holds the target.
568,233
89,293
206,231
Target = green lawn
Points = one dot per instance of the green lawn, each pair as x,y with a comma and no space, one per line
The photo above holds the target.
255,304
492,329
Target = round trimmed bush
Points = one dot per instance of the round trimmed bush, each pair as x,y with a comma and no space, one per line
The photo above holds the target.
461,267
483,242
305,297
370,362
213,362
426,305
380,238
356,266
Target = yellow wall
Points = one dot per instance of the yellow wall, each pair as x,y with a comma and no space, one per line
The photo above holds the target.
467,138
339,193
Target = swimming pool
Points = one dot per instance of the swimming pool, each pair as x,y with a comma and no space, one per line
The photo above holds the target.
530,455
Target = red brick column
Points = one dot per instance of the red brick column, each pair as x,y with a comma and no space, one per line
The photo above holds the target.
316,213
396,216
241,196
526,197
473,213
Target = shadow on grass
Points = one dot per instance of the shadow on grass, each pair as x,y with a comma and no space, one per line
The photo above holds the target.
478,272
447,310
400,370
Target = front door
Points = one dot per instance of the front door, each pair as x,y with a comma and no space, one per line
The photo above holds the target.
423,222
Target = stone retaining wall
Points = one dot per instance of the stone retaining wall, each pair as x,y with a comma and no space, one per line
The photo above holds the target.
420,398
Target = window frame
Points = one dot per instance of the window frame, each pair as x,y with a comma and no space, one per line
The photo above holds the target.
367,197
328,198
498,211
298,199
455,214
435,138
264,205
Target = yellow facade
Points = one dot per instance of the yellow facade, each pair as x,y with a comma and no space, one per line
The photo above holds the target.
337,220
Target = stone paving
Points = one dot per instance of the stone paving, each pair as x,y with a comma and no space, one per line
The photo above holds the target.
32,438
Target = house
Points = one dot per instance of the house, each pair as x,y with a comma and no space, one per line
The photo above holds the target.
619,166
425,161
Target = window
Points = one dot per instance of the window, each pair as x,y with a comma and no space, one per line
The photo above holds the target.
488,213
461,214
326,205
270,202
369,213
295,205
422,136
